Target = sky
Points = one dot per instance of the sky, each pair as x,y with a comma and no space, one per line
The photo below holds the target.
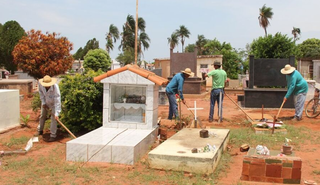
231,21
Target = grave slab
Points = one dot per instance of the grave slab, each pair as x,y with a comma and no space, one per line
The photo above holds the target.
176,152
116,145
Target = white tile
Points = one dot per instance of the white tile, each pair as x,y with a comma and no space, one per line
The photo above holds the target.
111,79
76,152
144,81
9,109
106,98
127,77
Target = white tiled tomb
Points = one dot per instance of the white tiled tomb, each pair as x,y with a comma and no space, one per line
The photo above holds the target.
129,126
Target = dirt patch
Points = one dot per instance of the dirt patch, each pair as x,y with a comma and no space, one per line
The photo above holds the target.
233,118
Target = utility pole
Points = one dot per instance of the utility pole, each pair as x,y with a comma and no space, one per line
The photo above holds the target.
136,37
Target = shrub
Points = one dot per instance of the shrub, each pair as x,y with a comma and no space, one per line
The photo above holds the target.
81,101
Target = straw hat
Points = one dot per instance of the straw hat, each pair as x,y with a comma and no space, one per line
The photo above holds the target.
47,81
287,69
188,72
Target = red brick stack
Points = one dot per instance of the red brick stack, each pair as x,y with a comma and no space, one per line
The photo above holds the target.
276,169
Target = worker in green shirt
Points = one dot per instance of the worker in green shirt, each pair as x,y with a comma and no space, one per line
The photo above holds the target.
219,77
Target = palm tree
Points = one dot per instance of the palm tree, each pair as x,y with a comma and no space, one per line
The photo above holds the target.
173,40
265,14
182,32
128,35
295,33
112,37
200,43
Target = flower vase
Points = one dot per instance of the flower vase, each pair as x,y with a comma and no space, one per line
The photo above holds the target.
124,100
287,150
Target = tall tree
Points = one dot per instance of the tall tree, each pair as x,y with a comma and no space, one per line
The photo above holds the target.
128,36
183,33
265,14
277,46
112,37
97,59
91,44
200,43
79,54
295,33
43,54
10,34
173,40
309,48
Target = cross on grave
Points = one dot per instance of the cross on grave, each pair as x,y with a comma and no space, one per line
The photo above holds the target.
195,111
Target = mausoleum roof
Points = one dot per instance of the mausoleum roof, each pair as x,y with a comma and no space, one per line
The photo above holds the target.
135,69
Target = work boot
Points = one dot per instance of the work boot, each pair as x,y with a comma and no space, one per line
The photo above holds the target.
52,139
38,133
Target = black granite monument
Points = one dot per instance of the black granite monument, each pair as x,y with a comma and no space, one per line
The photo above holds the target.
267,86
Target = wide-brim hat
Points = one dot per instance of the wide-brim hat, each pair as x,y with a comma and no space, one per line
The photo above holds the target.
188,72
47,81
288,69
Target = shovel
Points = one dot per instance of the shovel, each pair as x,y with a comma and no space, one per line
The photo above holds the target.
279,111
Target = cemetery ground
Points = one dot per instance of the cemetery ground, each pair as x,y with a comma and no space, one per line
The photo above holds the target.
45,162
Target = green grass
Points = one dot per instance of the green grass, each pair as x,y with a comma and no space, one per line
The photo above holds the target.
16,142
316,172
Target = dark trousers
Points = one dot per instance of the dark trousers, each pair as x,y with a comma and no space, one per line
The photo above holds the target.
215,97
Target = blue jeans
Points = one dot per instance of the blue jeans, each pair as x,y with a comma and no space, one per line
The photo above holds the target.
215,97
173,106
298,101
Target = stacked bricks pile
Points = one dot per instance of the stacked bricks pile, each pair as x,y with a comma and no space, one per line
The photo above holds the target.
274,169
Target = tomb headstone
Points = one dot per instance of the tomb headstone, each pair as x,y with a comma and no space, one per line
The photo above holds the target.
9,109
267,84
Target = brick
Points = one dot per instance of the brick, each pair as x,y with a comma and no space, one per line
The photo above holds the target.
297,164
245,169
291,181
286,173
272,161
273,170
259,179
244,177
296,173
287,164
257,170
274,180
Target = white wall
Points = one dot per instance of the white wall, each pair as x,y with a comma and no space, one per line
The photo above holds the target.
9,109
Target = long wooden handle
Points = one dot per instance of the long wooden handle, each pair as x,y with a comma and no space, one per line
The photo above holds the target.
279,110
66,128
239,107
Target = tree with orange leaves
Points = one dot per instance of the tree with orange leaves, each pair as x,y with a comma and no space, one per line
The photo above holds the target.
43,54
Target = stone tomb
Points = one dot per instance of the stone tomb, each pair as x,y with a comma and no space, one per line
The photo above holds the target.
176,152
9,109
130,113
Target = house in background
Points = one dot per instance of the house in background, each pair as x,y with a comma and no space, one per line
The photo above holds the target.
309,69
204,65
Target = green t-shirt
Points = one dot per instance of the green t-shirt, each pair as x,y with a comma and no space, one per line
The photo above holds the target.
219,76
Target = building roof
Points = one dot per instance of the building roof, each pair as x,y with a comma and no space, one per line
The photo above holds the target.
135,69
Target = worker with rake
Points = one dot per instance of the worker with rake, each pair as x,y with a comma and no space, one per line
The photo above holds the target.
219,77
50,100
174,87
297,86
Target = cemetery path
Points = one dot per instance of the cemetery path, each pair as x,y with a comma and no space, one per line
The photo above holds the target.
233,118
